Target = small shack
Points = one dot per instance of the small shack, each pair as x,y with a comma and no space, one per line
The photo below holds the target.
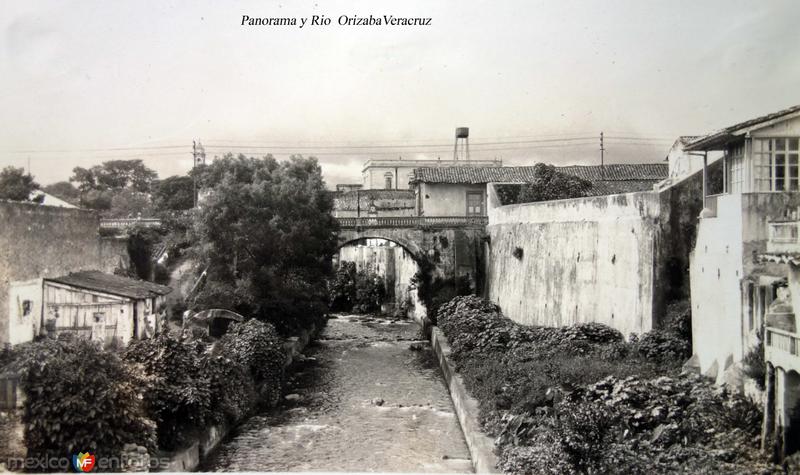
103,307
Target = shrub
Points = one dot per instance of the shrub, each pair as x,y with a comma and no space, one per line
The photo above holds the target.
258,349
342,288
176,391
754,365
232,389
80,398
664,346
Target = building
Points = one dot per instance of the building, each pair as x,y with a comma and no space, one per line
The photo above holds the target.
46,199
731,289
373,203
38,242
462,191
102,307
782,339
397,174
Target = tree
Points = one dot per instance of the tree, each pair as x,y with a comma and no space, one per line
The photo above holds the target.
266,234
550,184
64,190
16,185
126,180
115,175
174,193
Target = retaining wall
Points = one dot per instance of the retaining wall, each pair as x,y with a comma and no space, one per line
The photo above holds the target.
481,446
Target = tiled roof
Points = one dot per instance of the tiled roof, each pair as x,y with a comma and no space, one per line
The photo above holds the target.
720,137
112,284
594,173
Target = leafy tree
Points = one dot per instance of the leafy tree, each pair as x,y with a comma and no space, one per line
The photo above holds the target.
115,175
64,190
127,203
174,193
550,184
266,234
119,186
16,185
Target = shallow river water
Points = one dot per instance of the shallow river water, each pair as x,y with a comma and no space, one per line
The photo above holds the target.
370,398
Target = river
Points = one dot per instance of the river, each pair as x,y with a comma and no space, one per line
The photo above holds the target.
368,398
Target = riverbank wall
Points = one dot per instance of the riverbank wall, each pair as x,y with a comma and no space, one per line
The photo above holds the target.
189,458
481,446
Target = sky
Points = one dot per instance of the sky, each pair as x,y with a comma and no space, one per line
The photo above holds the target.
87,81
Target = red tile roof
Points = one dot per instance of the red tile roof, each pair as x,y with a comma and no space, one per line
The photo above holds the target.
112,284
650,172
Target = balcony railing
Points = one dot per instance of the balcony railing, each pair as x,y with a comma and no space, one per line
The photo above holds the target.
784,237
413,222
125,222
782,348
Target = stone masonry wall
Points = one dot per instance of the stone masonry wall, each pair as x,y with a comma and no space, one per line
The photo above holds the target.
44,241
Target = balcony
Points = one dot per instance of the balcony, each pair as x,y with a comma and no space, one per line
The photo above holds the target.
783,237
782,348
413,222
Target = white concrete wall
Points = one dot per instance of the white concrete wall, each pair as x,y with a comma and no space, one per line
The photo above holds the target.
445,199
394,264
723,261
584,260
23,327
716,271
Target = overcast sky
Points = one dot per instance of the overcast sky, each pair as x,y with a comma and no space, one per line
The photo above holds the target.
81,77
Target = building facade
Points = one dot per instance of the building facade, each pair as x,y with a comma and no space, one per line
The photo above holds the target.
731,288
397,174
462,191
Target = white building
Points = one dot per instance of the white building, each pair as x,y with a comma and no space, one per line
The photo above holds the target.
731,289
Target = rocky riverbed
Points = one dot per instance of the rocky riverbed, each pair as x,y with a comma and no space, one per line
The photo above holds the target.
368,397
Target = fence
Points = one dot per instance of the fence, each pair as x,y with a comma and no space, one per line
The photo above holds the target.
125,222
413,222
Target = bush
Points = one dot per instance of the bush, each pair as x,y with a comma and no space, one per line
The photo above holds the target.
258,349
754,365
358,291
176,391
342,288
664,346
579,399
233,392
80,398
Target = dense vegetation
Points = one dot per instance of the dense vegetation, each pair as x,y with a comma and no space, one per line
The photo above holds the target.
359,291
16,185
158,393
266,234
580,399
548,184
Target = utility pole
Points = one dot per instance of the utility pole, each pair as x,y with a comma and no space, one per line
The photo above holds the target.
198,158
602,157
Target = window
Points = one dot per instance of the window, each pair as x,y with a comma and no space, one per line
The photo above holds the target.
775,164
27,307
388,180
735,169
474,203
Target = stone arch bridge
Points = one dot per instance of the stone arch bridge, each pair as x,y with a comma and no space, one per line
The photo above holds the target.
454,245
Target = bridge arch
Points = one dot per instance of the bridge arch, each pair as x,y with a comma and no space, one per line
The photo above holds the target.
409,243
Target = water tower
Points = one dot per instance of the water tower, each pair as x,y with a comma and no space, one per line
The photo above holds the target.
461,149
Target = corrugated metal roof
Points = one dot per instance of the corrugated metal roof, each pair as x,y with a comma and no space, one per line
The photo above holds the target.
112,284
721,137
593,173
